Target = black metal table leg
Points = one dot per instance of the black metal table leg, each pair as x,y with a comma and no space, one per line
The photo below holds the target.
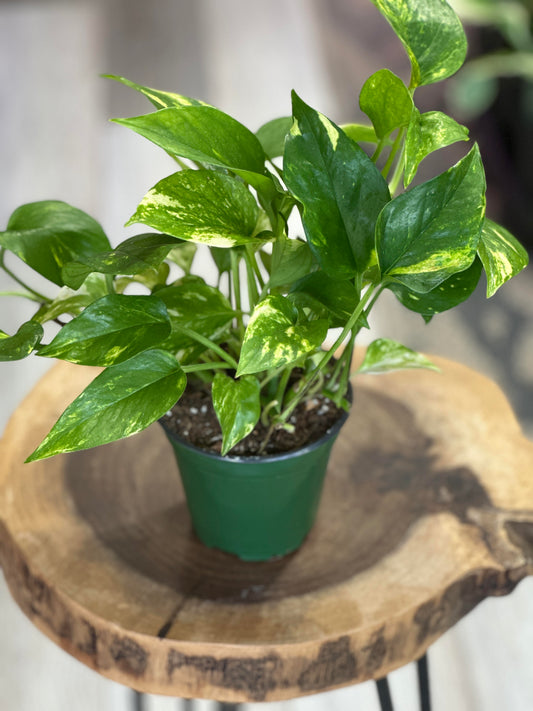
423,683
385,699
138,701
186,705
227,707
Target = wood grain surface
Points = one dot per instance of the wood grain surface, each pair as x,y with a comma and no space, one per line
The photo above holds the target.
427,509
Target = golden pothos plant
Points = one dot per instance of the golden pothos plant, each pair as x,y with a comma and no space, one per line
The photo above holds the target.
258,335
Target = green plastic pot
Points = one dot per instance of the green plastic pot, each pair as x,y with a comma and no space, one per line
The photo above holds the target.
254,507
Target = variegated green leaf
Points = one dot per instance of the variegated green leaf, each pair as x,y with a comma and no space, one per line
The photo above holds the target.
340,189
237,406
431,232
502,255
123,400
432,35
386,101
427,133
133,256
207,135
22,343
49,234
111,330
275,337
160,99
447,295
384,355
201,206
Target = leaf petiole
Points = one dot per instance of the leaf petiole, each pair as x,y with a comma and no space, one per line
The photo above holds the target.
196,367
24,294
38,297
236,286
398,172
328,355
394,150
209,344
379,148
253,293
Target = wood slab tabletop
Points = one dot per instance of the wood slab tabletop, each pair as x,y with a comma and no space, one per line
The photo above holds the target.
427,510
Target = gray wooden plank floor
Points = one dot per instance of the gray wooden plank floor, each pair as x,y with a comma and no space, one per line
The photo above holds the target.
244,57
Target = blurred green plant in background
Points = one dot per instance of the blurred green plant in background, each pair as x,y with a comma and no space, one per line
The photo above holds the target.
494,93
475,88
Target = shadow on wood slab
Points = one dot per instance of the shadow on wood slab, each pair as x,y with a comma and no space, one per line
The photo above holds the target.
374,492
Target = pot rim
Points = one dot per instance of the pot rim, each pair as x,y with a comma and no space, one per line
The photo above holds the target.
331,432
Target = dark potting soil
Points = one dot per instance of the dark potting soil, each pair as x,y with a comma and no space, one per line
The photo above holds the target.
193,418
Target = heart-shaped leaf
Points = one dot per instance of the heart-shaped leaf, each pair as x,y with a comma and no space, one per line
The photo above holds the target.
237,407
431,232
386,101
447,295
432,35
22,343
502,255
49,234
201,206
427,133
384,355
111,330
340,189
122,400
275,337
207,135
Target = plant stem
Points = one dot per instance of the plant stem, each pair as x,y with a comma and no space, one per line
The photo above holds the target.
394,150
278,170
282,386
209,344
235,281
195,367
253,294
110,283
345,376
181,163
39,297
328,355
398,172
379,148
336,370
255,267
273,374
25,295
375,297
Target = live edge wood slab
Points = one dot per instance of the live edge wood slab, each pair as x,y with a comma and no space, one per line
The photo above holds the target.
427,509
